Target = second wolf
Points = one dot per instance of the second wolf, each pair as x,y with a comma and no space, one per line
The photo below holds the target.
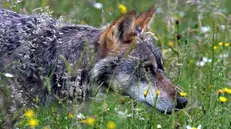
52,60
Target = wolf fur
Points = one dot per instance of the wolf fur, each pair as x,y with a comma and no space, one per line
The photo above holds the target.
50,60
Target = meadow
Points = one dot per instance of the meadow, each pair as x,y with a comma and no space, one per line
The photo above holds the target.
195,40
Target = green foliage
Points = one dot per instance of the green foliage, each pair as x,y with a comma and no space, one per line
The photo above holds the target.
195,29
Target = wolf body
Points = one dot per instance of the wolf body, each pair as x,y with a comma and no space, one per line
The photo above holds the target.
50,60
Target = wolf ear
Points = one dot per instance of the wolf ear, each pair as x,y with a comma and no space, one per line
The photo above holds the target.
143,20
119,34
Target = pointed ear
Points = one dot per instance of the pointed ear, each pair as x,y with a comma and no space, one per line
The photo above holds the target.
143,20
119,34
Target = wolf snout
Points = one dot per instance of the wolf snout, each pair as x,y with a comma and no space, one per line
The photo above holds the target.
181,102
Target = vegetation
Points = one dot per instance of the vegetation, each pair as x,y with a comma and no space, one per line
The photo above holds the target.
194,37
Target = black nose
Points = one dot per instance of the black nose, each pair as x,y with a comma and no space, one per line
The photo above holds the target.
181,102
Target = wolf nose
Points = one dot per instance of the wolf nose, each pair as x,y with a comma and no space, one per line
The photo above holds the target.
181,102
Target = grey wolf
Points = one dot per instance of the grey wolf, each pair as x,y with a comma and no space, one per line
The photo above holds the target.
50,60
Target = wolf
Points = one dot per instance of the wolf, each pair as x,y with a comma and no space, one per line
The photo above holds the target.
50,60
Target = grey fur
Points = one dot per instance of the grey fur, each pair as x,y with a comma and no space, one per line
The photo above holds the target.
31,47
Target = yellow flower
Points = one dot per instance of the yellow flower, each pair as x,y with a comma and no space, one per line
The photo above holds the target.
182,94
215,47
228,91
227,44
220,43
89,121
222,99
70,115
193,128
111,125
220,91
157,92
33,122
145,93
29,113
170,43
123,8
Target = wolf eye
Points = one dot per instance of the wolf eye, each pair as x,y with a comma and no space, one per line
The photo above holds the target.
148,66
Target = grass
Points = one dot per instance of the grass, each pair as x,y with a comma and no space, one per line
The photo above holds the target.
193,30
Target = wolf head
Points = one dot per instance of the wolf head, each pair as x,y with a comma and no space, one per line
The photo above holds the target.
137,64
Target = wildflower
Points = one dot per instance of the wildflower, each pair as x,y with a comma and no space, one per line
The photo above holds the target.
220,43
111,125
227,44
33,122
222,99
145,93
220,91
157,92
80,116
89,121
215,47
203,61
29,113
170,43
188,127
206,60
205,29
70,115
200,63
123,8
228,91
182,94
158,126
98,5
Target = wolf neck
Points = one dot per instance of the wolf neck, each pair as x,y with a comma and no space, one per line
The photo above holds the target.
79,37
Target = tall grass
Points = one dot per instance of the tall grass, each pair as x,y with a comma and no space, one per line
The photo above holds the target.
188,34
